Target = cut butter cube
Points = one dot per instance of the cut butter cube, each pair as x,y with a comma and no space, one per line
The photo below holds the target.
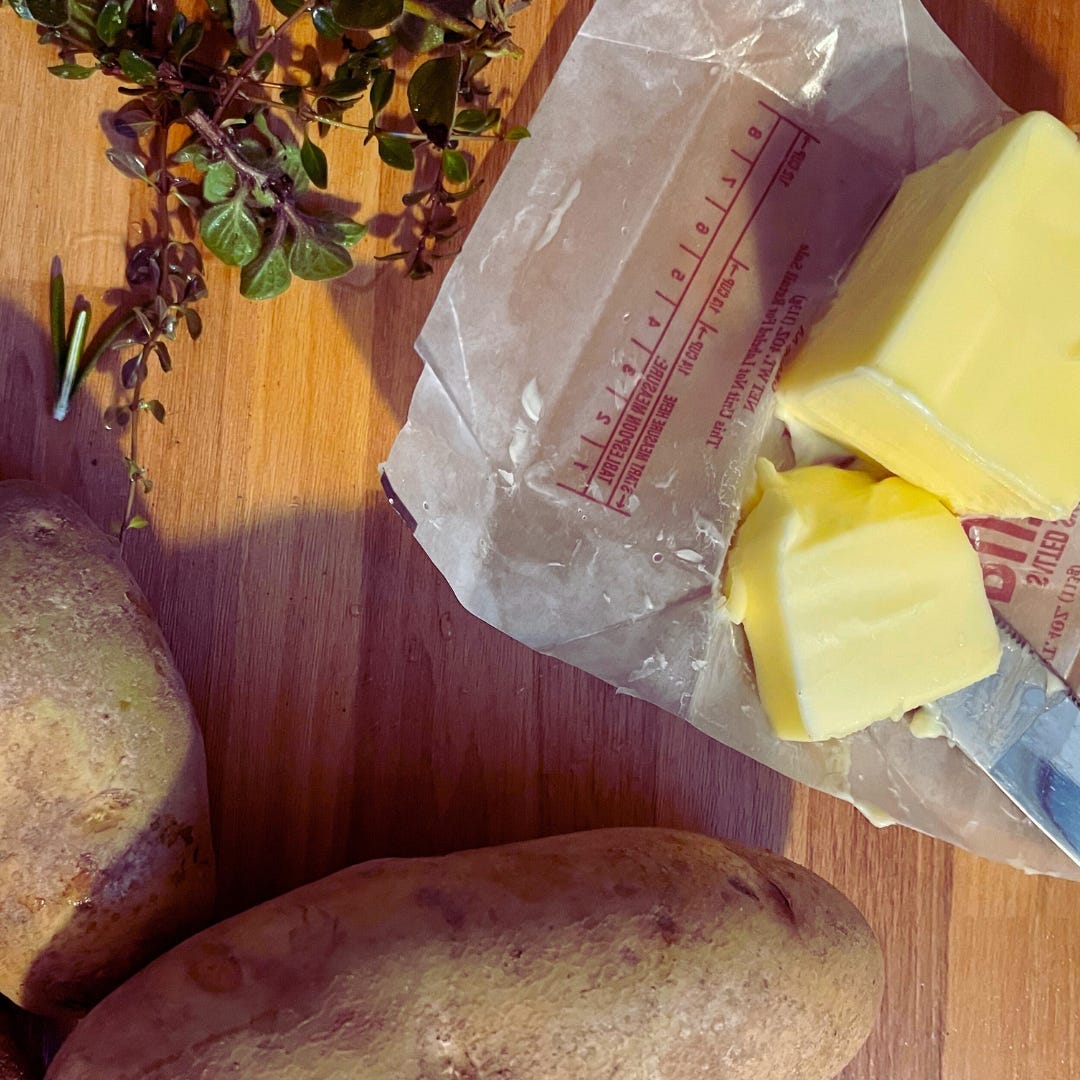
861,599
951,355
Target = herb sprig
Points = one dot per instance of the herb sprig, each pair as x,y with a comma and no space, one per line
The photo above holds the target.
234,158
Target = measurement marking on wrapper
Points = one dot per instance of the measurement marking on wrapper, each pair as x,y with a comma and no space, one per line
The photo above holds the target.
604,418
781,116
631,436
660,398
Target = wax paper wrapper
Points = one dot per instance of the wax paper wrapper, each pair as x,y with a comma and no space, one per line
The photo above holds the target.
599,364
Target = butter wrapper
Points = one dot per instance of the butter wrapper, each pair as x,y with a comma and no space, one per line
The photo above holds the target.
1031,570
600,361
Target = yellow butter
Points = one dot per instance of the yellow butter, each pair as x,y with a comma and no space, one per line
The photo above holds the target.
861,599
952,353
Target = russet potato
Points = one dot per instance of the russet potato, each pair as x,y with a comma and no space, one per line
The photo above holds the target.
631,953
105,851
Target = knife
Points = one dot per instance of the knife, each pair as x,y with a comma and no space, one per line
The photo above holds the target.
1022,727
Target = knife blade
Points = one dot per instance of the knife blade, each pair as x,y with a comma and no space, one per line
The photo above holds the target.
1022,727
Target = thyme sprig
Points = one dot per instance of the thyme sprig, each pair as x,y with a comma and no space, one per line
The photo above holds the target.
196,128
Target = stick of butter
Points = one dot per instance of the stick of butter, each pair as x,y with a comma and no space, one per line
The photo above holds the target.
952,353
861,599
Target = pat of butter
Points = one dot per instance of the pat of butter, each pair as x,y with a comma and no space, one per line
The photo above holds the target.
861,599
952,353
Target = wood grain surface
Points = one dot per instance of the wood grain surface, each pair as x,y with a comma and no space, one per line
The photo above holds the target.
351,707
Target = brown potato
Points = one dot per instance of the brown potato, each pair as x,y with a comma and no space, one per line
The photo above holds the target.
627,953
105,853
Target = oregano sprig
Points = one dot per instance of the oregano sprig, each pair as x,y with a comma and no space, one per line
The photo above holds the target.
248,177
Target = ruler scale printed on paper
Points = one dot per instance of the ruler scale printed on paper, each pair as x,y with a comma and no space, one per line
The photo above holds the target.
687,309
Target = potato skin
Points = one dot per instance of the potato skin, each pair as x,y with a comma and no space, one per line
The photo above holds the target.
625,953
105,851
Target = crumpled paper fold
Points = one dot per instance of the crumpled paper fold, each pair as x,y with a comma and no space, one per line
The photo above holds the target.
600,360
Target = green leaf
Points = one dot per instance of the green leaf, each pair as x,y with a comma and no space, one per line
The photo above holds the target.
57,310
188,41
264,65
336,227
417,34
219,182
194,153
262,125
231,232
344,89
350,232
516,133
325,23
133,122
420,269
137,69
266,276
464,193
433,91
161,351
218,8
261,197
137,522
130,164
381,48
314,258
366,14
48,12
288,7
314,161
194,322
382,86
245,24
133,371
290,95
396,151
290,162
454,166
71,71
471,121
111,21
254,151
155,409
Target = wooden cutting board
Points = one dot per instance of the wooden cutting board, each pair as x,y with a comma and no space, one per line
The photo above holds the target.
351,707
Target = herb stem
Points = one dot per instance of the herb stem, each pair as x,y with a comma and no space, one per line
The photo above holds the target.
249,64
409,136
135,471
216,139
137,474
